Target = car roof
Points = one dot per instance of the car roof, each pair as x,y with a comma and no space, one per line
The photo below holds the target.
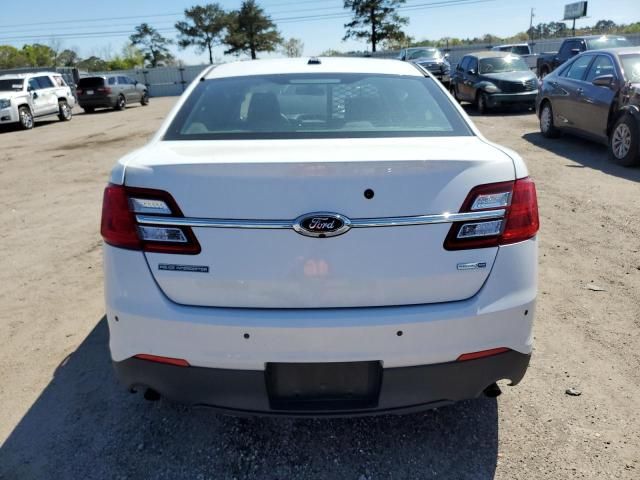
27,75
490,54
304,65
591,37
617,50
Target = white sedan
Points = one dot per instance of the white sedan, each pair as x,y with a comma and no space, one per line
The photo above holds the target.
325,236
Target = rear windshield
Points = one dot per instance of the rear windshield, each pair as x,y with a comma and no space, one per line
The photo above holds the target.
316,106
607,42
631,67
89,82
510,63
423,53
520,50
11,84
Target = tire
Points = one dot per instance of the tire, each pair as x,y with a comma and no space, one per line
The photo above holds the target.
482,103
121,103
65,114
89,109
623,142
144,101
547,128
25,118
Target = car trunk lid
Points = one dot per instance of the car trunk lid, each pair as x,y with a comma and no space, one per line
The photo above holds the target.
279,181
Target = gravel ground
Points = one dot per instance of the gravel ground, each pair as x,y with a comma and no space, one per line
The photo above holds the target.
63,415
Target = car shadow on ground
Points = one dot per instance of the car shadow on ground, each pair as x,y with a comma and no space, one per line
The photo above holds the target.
14,127
98,111
512,111
84,425
585,153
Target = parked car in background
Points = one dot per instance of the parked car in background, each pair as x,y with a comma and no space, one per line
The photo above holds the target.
367,253
431,59
570,47
110,91
25,97
523,50
490,79
596,95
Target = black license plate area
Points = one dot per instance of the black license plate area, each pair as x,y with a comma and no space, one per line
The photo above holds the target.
323,386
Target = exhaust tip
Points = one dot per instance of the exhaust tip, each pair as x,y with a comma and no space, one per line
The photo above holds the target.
492,391
151,395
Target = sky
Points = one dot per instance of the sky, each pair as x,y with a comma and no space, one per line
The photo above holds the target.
102,28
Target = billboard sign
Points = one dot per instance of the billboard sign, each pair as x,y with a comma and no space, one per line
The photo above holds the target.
575,10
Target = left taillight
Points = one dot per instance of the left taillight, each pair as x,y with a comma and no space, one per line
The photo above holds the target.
120,228
520,222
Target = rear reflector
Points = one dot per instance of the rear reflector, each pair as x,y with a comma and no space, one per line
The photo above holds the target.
178,362
482,354
119,227
520,204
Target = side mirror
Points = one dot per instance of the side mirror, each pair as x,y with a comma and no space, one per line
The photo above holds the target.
446,56
471,71
604,81
575,51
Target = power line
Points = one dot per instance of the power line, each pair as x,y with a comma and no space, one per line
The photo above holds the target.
297,19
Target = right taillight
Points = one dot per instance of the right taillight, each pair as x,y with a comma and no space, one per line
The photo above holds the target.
520,222
120,228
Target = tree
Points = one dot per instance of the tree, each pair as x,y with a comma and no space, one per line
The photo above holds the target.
93,64
67,58
293,47
11,57
605,26
202,28
39,55
375,21
153,46
250,30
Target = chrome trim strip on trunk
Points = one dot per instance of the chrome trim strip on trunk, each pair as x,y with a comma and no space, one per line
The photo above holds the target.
288,224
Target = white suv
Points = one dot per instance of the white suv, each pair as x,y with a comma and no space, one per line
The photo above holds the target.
25,97
322,237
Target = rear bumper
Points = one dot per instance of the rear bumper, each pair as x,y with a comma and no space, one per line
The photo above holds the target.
512,98
97,102
402,390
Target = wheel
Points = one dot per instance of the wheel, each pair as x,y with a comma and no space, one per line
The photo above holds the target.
26,118
482,103
547,128
89,109
121,104
623,142
145,99
64,110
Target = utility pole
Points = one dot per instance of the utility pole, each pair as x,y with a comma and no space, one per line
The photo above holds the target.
531,24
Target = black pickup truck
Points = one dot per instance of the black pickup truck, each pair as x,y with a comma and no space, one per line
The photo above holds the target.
548,62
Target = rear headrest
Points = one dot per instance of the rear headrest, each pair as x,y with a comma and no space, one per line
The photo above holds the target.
264,110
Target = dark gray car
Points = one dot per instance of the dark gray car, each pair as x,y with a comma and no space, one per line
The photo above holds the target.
596,95
431,59
110,91
491,79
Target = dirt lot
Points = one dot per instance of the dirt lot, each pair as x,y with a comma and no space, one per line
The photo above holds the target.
63,416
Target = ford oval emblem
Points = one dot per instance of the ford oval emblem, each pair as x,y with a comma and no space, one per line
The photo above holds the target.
322,224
